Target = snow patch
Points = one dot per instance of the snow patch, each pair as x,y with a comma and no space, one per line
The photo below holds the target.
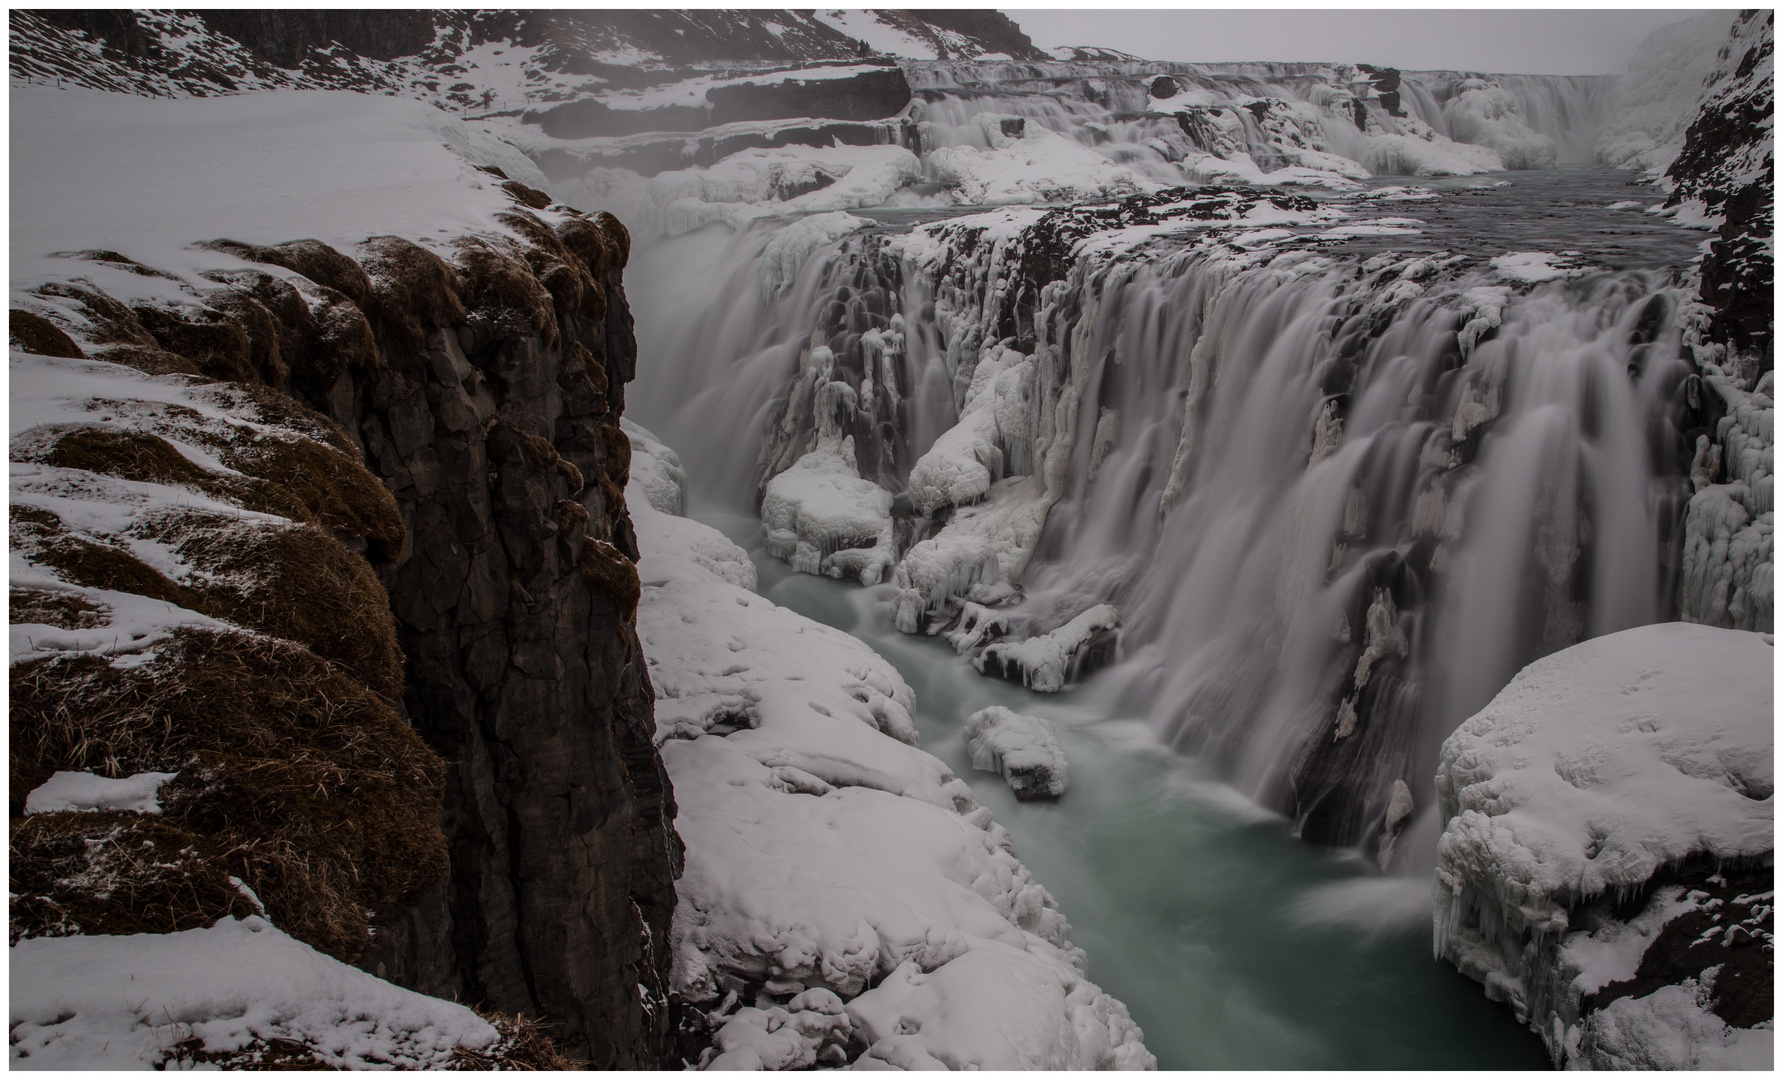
136,794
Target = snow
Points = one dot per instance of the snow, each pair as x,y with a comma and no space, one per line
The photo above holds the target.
882,39
1657,98
1037,166
123,1001
1673,1028
788,249
1024,749
137,794
1596,766
148,177
1045,659
753,183
1537,266
959,469
656,471
826,853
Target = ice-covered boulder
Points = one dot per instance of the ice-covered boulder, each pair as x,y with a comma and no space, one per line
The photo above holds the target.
822,517
1610,791
1045,662
1024,749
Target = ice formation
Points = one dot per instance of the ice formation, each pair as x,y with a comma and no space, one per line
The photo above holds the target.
1045,661
1597,768
826,854
823,518
1024,749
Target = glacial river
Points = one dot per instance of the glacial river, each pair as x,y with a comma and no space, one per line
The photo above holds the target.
1234,944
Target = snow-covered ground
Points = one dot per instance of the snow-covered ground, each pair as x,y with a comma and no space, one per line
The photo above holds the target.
227,992
1596,768
845,898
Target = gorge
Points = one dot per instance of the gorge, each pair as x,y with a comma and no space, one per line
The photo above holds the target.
1246,428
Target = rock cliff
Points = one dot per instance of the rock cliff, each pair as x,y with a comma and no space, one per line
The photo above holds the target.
484,391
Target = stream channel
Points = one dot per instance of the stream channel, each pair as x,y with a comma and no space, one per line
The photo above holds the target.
1234,944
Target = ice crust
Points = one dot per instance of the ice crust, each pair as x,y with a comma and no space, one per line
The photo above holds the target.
827,854
786,253
139,793
1594,768
121,1002
1024,749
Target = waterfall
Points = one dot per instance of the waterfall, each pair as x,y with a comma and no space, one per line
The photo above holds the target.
1338,495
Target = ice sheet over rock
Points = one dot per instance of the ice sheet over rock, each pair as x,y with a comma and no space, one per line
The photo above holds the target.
1024,749
822,517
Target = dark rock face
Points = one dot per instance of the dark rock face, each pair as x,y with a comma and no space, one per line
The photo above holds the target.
871,95
488,404
1726,165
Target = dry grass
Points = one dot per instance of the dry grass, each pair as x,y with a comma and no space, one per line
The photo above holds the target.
65,610
523,1046
149,359
115,873
36,334
603,566
298,779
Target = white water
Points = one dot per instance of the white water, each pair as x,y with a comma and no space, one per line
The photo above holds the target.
1335,521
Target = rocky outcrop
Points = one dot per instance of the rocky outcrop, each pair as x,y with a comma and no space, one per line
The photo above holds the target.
1725,170
870,94
484,393
1606,863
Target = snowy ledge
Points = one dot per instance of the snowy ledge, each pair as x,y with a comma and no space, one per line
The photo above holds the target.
846,901
1600,773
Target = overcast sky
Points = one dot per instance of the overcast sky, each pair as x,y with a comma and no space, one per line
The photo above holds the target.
1537,42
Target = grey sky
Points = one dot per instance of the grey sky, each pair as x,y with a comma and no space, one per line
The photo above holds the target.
1537,42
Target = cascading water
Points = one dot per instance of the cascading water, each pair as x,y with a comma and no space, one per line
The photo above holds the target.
1342,462
1338,497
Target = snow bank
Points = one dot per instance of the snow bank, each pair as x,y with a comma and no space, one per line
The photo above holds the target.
1043,662
827,854
823,518
137,794
1596,767
1023,749
125,1001
656,471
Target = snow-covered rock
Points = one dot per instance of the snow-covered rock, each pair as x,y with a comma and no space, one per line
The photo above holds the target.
1598,770
1045,661
1024,749
149,1001
826,854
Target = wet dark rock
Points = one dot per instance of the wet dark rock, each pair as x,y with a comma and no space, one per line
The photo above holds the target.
1164,86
